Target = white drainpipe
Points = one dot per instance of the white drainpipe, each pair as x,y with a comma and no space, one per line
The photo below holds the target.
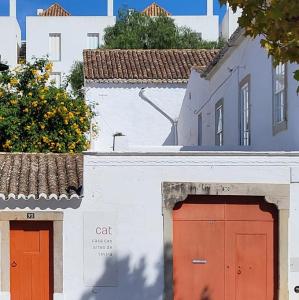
173,122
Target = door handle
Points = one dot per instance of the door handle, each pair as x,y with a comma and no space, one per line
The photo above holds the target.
13,264
199,261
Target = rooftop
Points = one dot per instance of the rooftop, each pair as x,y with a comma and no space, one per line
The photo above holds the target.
143,66
155,10
55,10
40,176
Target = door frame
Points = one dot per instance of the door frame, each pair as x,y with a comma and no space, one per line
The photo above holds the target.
57,219
278,194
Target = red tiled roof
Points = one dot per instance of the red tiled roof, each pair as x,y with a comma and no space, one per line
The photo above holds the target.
40,176
55,10
155,10
143,66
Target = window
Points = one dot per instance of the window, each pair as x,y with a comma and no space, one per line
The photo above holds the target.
199,130
199,35
55,78
279,98
93,40
244,112
219,123
55,46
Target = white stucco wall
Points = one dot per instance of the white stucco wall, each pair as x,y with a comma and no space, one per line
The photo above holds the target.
120,109
10,36
130,186
73,32
208,26
246,59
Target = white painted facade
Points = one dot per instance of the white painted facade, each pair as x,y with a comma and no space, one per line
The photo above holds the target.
73,32
129,185
244,59
206,26
10,36
126,188
120,109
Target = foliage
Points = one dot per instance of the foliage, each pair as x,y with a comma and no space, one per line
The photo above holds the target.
134,30
277,21
35,116
76,78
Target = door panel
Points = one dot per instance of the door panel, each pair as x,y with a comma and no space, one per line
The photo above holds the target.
210,209
198,260
250,260
31,260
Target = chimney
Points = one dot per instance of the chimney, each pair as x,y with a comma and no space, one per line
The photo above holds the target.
39,11
210,8
110,8
12,8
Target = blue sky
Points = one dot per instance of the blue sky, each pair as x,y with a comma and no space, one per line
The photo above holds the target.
98,7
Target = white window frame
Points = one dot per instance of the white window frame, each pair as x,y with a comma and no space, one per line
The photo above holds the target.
245,112
279,102
92,35
56,56
219,122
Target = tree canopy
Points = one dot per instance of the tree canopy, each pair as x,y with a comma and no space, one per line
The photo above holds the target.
36,116
76,78
277,21
134,30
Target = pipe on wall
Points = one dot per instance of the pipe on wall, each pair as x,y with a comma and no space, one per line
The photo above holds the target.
173,122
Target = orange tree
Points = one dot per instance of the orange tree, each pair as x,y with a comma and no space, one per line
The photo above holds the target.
35,116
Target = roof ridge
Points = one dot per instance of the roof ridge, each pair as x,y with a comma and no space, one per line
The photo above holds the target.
151,50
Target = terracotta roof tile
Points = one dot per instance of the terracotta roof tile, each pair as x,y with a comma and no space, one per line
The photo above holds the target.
143,66
55,10
155,10
40,176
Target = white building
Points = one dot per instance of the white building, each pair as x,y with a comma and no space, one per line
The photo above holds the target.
229,23
62,37
138,93
121,239
207,26
241,100
10,36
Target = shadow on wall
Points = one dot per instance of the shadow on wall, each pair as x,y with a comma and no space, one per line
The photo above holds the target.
132,283
170,140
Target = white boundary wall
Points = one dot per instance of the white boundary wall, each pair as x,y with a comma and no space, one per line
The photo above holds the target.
127,186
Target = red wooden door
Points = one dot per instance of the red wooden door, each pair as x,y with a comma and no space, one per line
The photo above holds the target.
31,260
223,250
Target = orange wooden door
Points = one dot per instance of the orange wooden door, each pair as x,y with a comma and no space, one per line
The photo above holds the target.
224,250
31,260
198,252
200,260
249,257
